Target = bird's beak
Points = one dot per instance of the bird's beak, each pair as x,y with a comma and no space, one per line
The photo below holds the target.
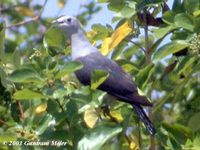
57,21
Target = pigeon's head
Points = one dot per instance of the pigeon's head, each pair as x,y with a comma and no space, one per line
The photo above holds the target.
67,23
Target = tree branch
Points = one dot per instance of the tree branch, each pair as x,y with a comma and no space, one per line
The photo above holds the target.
146,35
147,51
4,123
20,109
3,10
153,144
35,18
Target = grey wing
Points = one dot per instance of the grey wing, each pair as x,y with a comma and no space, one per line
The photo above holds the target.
118,84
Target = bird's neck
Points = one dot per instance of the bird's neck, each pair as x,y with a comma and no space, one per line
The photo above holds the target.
80,45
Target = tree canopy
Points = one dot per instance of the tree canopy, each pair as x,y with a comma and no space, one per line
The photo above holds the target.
41,99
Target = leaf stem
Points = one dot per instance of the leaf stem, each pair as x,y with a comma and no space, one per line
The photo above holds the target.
136,44
146,36
60,105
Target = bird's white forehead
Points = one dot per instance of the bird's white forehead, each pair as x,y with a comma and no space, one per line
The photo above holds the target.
62,18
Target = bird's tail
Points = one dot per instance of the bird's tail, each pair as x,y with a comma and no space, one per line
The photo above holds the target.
144,118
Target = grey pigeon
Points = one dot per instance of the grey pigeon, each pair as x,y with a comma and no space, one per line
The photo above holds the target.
119,84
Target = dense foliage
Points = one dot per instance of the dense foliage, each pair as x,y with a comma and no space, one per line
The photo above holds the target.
41,100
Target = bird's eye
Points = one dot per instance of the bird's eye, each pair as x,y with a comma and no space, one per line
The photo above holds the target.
69,20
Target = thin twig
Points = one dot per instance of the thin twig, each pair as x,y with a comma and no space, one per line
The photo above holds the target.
129,140
41,11
35,18
147,51
139,135
24,22
136,44
20,109
146,35
153,144
106,112
4,123
60,105
152,138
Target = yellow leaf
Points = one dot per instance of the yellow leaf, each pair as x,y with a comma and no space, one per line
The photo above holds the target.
117,36
90,117
90,36
133,146
129,67
41,108
25,11
105,46
117,115
61,3
120,33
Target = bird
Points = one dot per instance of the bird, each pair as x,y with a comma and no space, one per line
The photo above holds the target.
119,84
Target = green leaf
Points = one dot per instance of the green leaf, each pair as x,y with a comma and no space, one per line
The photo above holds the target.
196,142
118,50
161,32
141,4
98,136
177,6
6,137
196,13
157,43
197,24
184,21
116,5
68,68
143,75
59,93
52,65
72,111
2,37
16,58
99,28
191,5
24,75
193,144
168,17
44,124
179,132
3,77
128,10
2,109
102,1
184,64
102,31
173,144
52,44
194,122
127,65
27,94
180,35
98,77
129,52
168,49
